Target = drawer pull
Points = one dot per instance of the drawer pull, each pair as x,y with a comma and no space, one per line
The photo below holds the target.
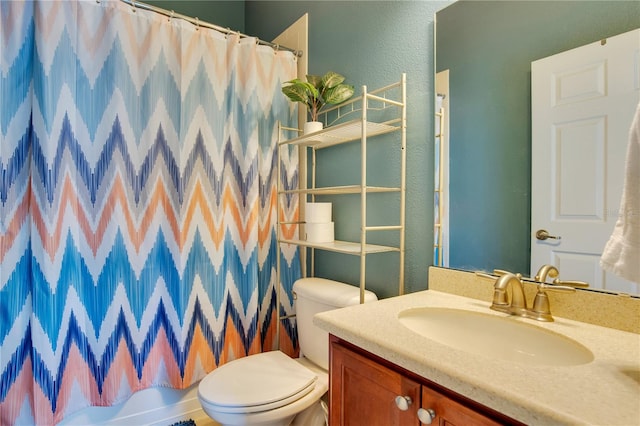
426,416
403,402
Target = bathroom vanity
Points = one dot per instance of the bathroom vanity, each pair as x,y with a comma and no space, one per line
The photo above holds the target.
377,362
366,389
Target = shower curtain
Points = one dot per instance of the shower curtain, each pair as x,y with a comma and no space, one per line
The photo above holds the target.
137,204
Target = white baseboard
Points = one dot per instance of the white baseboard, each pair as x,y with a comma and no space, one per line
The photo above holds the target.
151,407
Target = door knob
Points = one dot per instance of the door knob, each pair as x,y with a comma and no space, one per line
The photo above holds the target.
543,234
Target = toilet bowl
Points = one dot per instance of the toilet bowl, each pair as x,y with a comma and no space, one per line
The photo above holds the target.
271,388
264,389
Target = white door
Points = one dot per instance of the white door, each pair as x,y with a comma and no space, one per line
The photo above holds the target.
583,102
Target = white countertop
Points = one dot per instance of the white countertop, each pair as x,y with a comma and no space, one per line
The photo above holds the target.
605,391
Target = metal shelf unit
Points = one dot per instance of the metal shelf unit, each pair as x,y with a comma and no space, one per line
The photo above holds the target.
387,103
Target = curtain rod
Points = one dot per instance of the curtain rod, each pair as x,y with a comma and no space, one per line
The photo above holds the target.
197,22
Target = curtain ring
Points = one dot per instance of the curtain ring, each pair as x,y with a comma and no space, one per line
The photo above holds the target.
197,24
133,6
173,12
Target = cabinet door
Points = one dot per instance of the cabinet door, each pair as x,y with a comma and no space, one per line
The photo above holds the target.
363,392
451,413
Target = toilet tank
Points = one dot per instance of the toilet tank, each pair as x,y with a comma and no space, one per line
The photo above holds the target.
314,295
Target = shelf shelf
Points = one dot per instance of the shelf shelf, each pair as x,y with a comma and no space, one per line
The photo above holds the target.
347,189
346,247
343,133
381,111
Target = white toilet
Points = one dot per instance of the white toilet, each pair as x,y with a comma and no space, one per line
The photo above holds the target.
271,388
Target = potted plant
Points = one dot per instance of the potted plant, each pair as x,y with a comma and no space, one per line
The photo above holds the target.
317,92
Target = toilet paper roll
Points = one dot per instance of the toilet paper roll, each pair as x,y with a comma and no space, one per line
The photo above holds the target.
319,232
318,213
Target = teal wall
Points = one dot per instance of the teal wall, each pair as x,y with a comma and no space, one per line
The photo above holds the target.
372,43
490,69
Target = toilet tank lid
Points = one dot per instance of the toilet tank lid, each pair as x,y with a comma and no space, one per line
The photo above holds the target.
331,292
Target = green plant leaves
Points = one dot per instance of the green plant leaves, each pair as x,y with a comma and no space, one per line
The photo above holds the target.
338,94
331,79
318,91
316,81
299,91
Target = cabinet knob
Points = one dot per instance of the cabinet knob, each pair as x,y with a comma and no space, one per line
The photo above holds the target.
403,402
426,415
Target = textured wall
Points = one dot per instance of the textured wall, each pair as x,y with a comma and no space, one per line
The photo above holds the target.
372,43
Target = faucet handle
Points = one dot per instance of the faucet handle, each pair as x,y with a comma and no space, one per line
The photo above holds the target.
553,287
484,275
559,283
552,272
541,309
497,273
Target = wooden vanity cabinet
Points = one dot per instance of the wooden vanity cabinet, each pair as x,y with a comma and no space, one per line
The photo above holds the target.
363,392
363,389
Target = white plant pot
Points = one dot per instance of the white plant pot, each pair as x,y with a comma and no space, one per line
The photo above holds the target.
312,127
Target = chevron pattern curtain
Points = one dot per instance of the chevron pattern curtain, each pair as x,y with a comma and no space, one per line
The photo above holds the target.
137,204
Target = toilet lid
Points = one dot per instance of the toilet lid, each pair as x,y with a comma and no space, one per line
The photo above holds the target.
259,382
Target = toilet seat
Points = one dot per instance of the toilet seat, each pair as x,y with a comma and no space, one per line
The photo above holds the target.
260,382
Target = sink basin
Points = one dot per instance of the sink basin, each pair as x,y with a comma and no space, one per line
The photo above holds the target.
500,338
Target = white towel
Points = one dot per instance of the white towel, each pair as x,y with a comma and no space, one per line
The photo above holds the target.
621,254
